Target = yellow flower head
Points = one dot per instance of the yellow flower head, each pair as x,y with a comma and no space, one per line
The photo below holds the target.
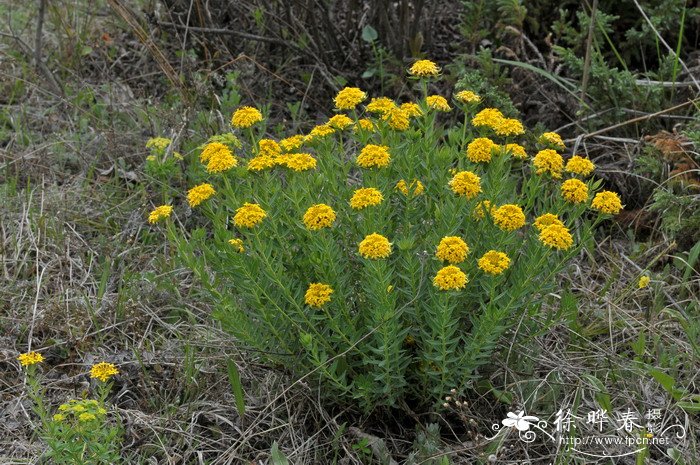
269,148
579,165
509,127
644,281
574,191
416,187
494,262
375,246
318,294
319,132
547,219
87,417
292,143
261,162
380,105
249,215
374,156
160,213
482,209
480,149
607,202
516,150
245,117
364,124
103,371
319,216
218,157
424,68
397,119
549,161
340,122
199,194
366,197
450,278
466,183
158,143
437,102
59,417
348,98
489,117
30,358
509,217
298,161
237,244
552,139
452,249
556,236
413,109
467,96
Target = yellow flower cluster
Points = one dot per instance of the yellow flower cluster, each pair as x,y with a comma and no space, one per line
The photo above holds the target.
340,122
375,246
30,358
319,132
607,202
397,118
466,183
508,217
450,278
298,161
516,150
452,249
269,148
160,213
319,216
318,294
416,187
489,117
380,105
103,371
494,262
557,236
413,109
366,197
199,194
348,98
374,156
237,244
249,215
467,96
84,410
480,150
509,127
644,281
574,191
548,161
262,162
292,143
158,143
218,157
579,165
547,219
482,209
424,68
246,117
553,139
437,102
364,124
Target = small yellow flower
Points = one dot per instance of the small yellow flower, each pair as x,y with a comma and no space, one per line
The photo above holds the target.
509,127
249,215
509,217
237,244
199,194
245,117
452,249
30,358
269,148
437,102
375,246
579,165
490,117
416,187
160,213
467,96
556,236
298,161
466,183
607,202
318,294
549,161
547,219
516,151
374,156
158,143
319,216
366,197
364,124
397,119
87,417
380,105
482,209
574,191
59,417
103,371
450,278
151,158
413,109
480,149
553,139
494,262
340,122
292,143
644,281
424,68
319,132
261,162
348,98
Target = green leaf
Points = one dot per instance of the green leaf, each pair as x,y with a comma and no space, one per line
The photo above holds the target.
276,456
234,378
369,73
602,397
666,381
369,34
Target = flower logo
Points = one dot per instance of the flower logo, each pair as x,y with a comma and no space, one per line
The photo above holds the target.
521,422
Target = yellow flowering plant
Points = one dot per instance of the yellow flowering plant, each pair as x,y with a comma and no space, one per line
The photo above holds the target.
384,251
